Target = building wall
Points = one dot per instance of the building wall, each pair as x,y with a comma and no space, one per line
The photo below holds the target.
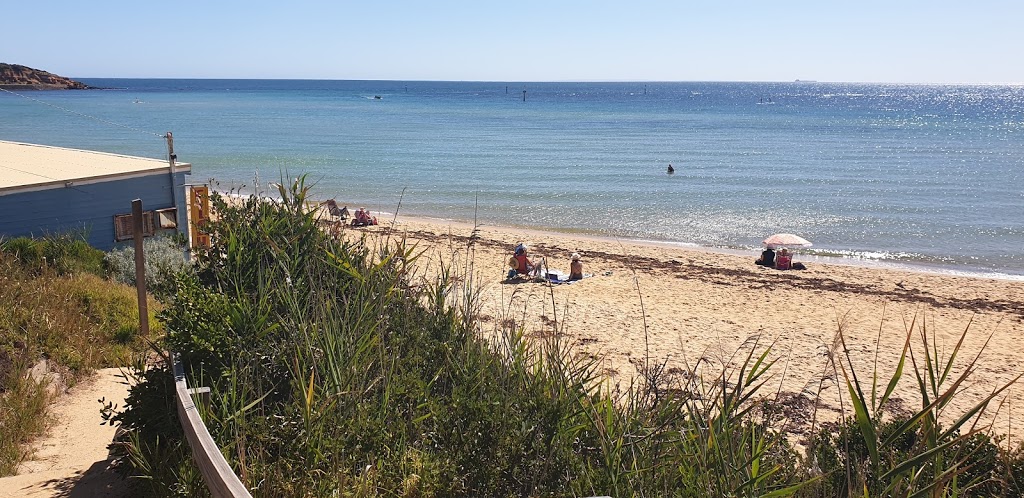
88,209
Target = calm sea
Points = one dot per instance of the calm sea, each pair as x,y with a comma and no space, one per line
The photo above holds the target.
929,176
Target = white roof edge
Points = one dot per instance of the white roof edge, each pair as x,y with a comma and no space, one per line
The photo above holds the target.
20,189
26,167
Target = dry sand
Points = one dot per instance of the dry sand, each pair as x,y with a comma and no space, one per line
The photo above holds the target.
688,307
72,459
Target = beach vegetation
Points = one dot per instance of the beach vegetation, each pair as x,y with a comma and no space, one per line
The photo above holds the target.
165,257
914,454
338,367
63,253
61,320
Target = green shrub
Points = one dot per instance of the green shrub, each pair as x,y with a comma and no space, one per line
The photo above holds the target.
64,253
842,457
165,257
27,250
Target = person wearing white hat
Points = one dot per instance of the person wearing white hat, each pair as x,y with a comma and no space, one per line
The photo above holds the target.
575,267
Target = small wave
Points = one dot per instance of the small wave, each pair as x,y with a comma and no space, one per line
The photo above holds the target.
878,255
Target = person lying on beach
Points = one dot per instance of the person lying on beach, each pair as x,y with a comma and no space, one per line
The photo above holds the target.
575,267
767,258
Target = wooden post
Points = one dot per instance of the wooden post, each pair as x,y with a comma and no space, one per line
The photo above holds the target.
204,396
172,160
140,267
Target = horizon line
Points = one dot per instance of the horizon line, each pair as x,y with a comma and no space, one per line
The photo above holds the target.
810,81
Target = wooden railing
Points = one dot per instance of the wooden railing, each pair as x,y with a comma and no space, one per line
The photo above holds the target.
219,477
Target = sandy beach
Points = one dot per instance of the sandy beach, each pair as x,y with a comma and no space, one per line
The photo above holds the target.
691,307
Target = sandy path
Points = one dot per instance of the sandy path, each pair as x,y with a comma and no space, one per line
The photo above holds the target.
71,460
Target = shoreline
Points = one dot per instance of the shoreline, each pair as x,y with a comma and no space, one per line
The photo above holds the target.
878,264
752,253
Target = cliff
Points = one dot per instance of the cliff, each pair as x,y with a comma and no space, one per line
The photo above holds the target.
15,77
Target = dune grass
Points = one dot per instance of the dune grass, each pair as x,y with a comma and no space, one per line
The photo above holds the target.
337,369
53,306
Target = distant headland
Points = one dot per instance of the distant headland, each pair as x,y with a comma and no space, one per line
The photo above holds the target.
15,77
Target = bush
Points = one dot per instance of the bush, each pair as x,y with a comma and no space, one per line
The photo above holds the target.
23,404
843,459
165,256
65,254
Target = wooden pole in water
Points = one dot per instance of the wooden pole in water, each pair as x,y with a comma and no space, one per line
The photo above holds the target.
524,95
140,267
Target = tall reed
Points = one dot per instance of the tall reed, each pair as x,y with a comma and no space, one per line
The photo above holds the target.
915,454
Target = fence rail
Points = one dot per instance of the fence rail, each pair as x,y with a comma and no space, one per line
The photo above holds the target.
219,476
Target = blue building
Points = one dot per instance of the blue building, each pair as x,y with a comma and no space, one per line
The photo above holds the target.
52,190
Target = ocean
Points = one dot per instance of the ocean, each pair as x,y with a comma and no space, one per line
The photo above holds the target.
920,176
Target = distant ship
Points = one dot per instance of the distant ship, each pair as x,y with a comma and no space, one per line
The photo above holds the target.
806,81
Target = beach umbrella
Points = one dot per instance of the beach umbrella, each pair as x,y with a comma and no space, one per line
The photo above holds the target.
786,240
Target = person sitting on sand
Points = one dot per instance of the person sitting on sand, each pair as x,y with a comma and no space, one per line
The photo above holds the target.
523,264
784,260
767,258
575,267
363,218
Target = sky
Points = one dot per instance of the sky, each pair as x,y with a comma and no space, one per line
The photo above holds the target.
893,41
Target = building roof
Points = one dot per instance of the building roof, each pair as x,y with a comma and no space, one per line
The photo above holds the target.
26,167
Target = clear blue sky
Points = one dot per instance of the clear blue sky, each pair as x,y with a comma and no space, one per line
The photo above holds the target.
896,41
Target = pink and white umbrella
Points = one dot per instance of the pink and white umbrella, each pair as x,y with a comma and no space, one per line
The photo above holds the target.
786,240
